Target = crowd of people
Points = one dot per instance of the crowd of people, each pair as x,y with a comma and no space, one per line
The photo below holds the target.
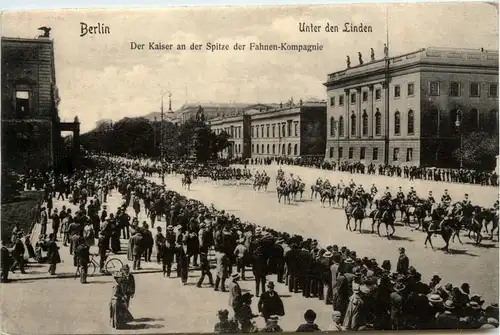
463,176
363,294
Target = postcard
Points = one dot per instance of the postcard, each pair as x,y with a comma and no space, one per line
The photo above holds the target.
250,168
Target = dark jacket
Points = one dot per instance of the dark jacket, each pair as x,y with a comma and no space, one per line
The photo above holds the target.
270,305
308,327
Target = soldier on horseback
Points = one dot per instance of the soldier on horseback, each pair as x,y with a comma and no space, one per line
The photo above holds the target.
466,202
412,194
352,184
326,184
373,190
387,194
446,199
400,195
431,199
319,182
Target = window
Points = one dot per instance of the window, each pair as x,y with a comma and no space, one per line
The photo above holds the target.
375,154
283,152
353,98
410,89
341,126
331,152
474,90
296,149
253,148
262,146
378,94
378,123
332,126
283,130
397,91
362,153
253,133
262,131
454,89
274,149
397,123
341,100
289,128
341,152
434,88
257,147
267,130
332,101
296,129
274,130
472,121
365,96
268,148
395,154
289,148
493,92
351,153
365,123
411,121
409,154
353,124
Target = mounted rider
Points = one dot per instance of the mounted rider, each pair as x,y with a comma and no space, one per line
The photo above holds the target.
412,194
466,202
387,194
319,182
446,199
373,189
352,184
431,199
341,185
326,184
400,195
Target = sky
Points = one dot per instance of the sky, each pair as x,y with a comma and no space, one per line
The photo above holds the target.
100,77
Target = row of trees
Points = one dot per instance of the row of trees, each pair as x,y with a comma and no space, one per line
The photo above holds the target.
139,136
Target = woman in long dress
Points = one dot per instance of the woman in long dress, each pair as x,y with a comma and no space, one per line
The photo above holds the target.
119,315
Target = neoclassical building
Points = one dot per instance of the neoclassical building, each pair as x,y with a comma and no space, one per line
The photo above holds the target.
290,129
411,109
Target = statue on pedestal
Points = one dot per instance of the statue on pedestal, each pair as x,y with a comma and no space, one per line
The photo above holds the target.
360,56
386,51
372,54
200,117
348,60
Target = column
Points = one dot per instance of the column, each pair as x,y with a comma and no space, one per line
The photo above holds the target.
347,102
359,99
370,111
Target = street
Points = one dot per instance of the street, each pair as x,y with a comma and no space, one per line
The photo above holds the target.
63,305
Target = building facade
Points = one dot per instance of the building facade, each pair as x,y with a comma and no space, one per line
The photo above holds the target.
411,109
238,129
292,130
216,110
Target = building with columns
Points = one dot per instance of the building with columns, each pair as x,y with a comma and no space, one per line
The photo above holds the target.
411,109
290,129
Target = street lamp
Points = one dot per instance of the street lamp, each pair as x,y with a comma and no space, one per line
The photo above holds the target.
457,125
336,126
162,115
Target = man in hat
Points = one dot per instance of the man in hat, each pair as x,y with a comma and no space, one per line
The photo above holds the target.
270,303
82,259
309,326
160,243
205,269
17,252
403,262
447,319
127,282
354,316
234,293
240,253
43,221
272,325
137,246
168,251
224,325
434,284
53,257
446,199
397,306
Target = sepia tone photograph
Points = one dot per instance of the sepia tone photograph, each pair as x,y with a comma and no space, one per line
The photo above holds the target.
250,169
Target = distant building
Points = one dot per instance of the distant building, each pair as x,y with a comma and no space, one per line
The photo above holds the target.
404,109
291,130
216,110
30,122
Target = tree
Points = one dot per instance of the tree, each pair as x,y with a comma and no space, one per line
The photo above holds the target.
478,151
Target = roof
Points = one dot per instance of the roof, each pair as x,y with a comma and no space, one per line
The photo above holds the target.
27,40
430,55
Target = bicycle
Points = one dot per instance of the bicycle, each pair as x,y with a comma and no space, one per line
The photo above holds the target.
112,265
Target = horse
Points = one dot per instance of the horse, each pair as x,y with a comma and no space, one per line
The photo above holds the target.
315,190
297,187
328,193
186,181
283,191
344,194
357,212
415,209
487,216
388,217
446,232
261,181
